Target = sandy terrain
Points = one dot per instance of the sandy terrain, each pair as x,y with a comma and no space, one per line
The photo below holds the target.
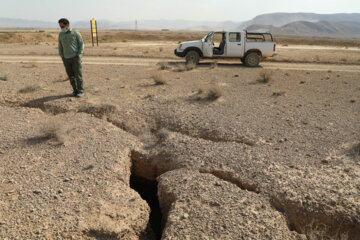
217,152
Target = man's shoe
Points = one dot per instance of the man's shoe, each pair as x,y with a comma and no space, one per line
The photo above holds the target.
80,95
75,93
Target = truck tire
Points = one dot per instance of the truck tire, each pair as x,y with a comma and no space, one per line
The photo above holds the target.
192,57
252,59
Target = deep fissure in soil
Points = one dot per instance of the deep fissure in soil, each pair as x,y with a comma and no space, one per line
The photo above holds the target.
148,191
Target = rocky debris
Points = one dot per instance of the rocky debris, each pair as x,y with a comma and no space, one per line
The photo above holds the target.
49,191
201,206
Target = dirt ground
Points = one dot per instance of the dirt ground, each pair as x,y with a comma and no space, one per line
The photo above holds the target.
158,151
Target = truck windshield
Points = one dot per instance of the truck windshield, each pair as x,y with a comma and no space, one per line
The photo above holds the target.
207,37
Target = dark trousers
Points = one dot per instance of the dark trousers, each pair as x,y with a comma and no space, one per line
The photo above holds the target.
73,69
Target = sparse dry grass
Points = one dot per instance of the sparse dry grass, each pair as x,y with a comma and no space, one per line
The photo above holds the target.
287,74
161,49
279,93
54,130
209,93
159,79
29,65
184,67
30,89
164,66
99,111
4,78
316,231
213,65
265,77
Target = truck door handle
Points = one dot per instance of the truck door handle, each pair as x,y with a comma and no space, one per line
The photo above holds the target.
239,44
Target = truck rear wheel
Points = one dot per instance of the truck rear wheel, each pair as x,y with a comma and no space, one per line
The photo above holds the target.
252,59
192,57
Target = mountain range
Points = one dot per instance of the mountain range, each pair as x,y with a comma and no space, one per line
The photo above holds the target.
299,24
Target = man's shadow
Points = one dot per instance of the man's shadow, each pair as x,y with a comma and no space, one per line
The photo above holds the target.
40,103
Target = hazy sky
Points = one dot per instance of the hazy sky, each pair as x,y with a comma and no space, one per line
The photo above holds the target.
202,10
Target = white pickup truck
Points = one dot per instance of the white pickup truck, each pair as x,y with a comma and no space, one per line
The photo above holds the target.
249,47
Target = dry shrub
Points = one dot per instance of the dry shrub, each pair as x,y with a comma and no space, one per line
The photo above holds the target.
164,66
99,111
30,89
265,77
213,65
30,65
161,49
316,231
190,66
343,60
54,130
209,93
4,78
287,74
279,93
159,79
317,58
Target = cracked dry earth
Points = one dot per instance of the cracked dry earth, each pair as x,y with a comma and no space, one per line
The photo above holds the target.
135,160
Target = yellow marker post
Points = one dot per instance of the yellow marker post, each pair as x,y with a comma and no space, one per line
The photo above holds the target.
94,34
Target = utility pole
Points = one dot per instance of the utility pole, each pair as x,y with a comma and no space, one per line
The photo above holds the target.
136,25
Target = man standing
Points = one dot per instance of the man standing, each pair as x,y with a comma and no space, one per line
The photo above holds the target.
71,48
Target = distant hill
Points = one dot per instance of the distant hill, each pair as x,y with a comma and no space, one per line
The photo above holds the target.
281,19
320,29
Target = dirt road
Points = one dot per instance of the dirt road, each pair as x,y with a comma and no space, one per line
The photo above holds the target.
135,61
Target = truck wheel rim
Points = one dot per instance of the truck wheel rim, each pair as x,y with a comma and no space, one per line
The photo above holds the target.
253,60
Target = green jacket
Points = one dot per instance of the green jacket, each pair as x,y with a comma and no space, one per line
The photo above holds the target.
71,44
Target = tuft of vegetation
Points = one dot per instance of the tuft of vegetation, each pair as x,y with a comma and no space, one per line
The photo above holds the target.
279,93
54,129
265,77
321,231
99,111
30,89
30,65
213,65
161,49
287,74
211,93
159,79
164,66
4,78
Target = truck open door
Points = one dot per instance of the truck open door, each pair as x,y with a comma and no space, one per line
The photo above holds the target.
208,45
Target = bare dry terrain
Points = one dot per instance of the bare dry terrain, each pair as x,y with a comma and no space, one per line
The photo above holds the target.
159,151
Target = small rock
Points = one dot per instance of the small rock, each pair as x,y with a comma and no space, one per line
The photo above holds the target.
186,216
37,191
324,162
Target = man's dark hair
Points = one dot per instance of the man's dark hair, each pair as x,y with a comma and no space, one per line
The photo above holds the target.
64,21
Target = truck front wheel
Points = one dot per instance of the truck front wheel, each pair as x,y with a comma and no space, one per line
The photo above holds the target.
252,59
192,57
